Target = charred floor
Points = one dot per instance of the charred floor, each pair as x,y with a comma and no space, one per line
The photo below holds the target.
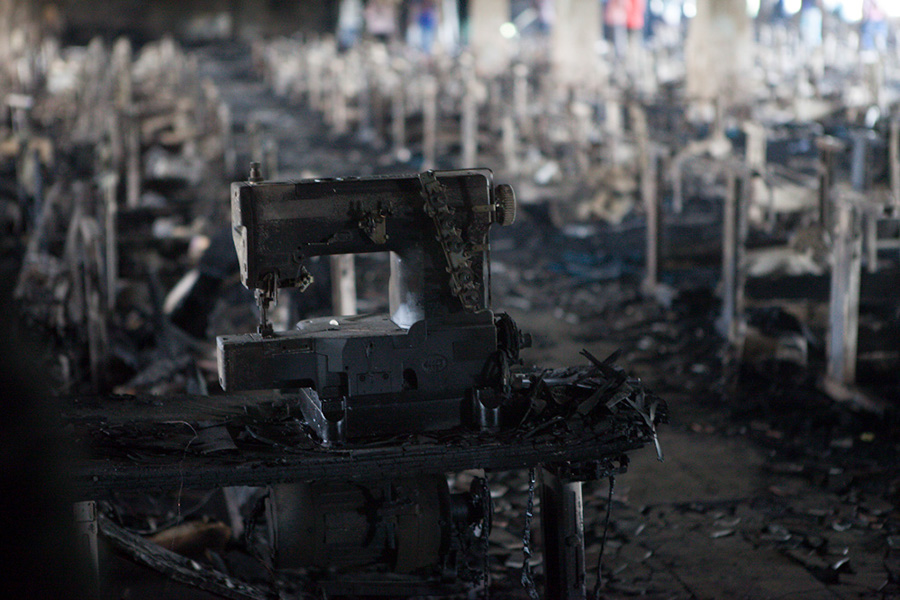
492,320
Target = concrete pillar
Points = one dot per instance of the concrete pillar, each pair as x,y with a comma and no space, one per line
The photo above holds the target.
491,50
19,17
573,40
449,28
719,51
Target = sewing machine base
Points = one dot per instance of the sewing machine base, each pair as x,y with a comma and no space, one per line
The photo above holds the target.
362,376
336,421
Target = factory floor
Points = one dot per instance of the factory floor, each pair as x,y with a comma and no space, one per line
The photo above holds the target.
768,489
761,493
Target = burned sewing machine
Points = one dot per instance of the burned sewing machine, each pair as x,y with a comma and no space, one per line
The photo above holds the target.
439,359
349,514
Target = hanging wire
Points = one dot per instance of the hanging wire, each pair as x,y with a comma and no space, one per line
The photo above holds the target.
487,520
599,584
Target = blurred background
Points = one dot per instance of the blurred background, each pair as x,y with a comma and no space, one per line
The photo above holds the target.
711,187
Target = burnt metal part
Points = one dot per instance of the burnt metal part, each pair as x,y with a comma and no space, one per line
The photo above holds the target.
176,566
456,249
403,526
348,369
279,224
139,470
439,369
399,524
576,416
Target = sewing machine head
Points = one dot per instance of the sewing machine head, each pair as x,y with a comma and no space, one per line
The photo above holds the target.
437,354
435,224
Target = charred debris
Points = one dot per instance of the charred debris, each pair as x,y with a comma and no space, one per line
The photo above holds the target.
741,263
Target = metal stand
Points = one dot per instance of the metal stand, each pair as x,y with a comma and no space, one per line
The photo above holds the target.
86,524
562,525
843,309
734,236
109,184
828,147
649,157
653,207
398,117
859,174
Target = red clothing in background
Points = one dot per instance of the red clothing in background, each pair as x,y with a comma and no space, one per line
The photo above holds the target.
635,19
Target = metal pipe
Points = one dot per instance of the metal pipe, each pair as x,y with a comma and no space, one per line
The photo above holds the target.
843,308
562,525
733,236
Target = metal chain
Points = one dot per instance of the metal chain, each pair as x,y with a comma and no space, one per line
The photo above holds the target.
527,575
456,251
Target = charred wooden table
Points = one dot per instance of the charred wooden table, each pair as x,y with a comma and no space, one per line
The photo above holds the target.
579,425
